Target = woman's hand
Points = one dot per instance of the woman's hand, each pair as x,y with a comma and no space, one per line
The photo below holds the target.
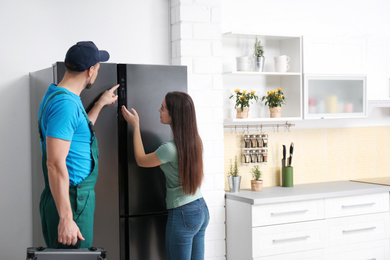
130,117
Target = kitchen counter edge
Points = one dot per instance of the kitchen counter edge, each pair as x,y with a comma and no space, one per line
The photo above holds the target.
310,191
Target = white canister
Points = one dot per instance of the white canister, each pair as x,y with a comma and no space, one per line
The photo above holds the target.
244,63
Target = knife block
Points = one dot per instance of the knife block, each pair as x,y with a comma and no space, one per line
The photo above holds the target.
287,176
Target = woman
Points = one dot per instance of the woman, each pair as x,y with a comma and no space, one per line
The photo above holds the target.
182,164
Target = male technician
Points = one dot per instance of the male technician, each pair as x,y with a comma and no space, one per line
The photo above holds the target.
69,149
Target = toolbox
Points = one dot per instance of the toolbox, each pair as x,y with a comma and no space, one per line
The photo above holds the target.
43,253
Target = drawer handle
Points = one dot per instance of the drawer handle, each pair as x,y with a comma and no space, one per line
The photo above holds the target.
290,239
358,230
358,205
289,213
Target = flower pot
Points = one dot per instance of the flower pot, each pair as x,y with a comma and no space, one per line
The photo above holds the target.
257,185
242,113
259,64
234,183
275,112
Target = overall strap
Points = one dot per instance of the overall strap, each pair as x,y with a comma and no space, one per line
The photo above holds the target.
44,107
90,125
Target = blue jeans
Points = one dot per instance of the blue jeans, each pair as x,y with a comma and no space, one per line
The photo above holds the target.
186,227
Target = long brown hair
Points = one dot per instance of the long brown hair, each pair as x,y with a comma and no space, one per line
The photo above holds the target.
185,134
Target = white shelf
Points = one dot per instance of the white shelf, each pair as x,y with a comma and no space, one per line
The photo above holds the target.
254,73
239,44
379,103
253,35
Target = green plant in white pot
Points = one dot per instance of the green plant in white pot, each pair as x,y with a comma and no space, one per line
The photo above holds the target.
257,182
234,177
259,56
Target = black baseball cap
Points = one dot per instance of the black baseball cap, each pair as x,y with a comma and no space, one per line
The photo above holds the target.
83,55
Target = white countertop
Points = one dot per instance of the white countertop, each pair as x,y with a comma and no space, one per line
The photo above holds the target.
306,192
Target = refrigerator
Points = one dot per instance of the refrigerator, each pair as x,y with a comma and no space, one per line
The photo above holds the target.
130,213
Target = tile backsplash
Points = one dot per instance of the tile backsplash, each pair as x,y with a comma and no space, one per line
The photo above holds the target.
320,155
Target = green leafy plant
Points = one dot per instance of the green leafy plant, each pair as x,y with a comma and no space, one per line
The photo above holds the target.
274,98
259,51
233,169
243,98
256,173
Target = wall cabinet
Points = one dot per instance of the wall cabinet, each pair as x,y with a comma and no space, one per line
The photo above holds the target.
351,55
378,69
242,44
334,96
324,228
335,55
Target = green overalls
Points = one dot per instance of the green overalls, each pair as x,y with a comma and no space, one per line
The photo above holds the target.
82,196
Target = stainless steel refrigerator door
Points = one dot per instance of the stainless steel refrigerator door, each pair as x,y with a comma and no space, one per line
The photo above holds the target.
146,237
39,83
146,88
106,226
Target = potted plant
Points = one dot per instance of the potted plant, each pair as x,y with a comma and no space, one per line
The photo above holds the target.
259,56
234,177
243,99
274,100
256,183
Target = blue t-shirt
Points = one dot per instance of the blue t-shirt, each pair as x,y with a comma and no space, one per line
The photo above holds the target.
64,119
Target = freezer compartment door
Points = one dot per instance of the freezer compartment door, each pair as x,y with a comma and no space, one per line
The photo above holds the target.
143,87
145,238
106,233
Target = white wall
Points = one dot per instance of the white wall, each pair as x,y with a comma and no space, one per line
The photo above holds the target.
34,34
302,17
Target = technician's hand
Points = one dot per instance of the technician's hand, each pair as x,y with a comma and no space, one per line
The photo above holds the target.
68,232
108,97
131,118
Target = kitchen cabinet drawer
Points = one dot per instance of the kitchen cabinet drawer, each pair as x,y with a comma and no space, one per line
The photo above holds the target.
354,229
305,255
356,205
378,250
289,212
282,239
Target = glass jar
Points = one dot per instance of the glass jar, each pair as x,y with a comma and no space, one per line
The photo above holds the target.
253,141
247,141
253,156
243,157
259,141
259,156
248,158
265,140
264,152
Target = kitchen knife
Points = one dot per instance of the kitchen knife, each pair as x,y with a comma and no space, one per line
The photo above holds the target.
284,156
291,154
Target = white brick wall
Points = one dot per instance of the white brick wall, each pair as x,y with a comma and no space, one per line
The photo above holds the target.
196,43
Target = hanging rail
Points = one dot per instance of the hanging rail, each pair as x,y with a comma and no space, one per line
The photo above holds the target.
286,126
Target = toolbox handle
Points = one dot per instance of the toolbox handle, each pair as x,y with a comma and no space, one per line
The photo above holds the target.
58,245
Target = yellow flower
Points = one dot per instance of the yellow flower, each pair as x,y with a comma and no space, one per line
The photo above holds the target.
279,89
281,96
242,98
244,92
237,90
253,92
